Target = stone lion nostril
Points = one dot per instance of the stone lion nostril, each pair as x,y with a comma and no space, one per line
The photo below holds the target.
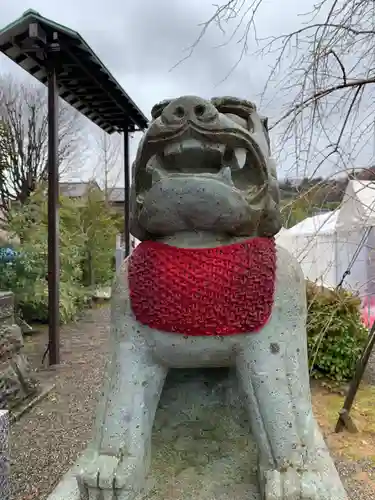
179,111
199,109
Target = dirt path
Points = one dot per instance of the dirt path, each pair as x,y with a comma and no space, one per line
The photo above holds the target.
47,440
354,453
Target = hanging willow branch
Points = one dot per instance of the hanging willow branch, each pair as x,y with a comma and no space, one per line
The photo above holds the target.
322,79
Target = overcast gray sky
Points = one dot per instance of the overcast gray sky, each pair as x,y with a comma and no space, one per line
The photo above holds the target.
140,40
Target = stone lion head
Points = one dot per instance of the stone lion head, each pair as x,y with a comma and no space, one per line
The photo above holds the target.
204,166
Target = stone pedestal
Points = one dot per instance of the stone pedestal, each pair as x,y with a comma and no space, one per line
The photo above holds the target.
202,447
16,379
4,456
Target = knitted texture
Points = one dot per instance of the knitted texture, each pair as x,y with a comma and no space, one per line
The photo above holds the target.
206,291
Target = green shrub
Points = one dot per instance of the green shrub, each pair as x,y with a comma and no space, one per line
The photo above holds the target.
99,225
87,230
27,275
336,335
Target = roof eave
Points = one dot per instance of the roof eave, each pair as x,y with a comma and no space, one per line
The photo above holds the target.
21,25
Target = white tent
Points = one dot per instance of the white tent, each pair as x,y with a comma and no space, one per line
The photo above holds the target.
358,205
329,244
313,243
356,237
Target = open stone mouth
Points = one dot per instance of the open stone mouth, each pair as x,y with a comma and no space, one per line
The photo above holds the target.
209,160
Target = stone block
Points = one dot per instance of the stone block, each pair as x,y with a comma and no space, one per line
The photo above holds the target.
6,305
11,339
4,456
17,381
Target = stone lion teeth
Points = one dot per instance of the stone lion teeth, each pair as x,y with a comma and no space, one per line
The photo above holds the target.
226,175
272,166
240,154
156,173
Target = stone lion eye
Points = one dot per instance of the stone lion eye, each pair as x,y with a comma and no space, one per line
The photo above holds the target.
238,115
242,110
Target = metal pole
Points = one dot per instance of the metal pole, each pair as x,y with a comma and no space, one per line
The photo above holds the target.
126,191
344,419
53,236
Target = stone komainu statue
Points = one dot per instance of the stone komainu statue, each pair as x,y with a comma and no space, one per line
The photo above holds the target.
208,287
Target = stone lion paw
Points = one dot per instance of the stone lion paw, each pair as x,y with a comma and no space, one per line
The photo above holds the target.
108,478
293,485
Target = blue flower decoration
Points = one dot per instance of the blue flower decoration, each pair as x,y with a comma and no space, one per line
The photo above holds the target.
7,255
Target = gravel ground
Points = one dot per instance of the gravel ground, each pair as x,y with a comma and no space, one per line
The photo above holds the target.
358,478
47,439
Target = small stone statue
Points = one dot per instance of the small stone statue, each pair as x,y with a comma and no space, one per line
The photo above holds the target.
208,287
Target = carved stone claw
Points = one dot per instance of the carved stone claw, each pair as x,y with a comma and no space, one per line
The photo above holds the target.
293,485
107,478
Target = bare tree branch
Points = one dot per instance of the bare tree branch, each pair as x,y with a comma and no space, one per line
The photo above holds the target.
24,140
108,168
223,15
323,75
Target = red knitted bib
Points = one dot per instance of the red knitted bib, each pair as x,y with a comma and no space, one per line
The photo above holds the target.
206,291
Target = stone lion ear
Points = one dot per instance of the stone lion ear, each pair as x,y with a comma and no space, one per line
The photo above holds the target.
264,120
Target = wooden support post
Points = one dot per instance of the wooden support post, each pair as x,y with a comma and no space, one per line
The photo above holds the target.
53,211
126,191
344,420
